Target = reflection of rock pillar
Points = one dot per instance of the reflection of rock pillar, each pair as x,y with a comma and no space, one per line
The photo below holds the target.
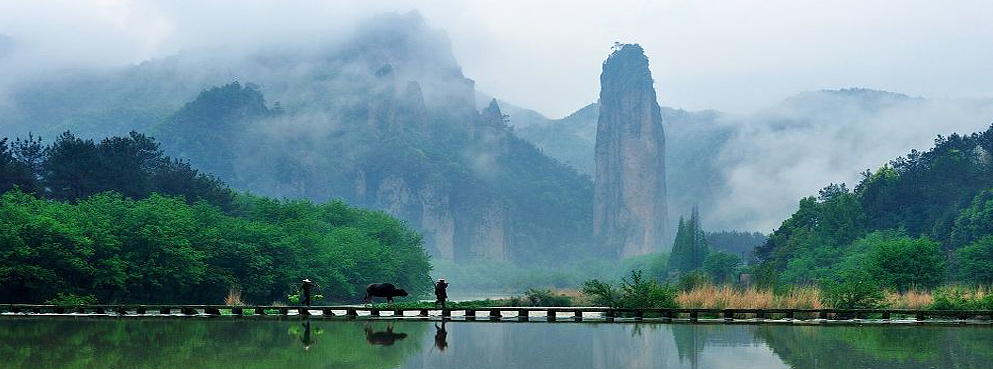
629,204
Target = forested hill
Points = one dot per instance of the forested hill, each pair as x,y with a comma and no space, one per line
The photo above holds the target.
382,118
117,221
920,220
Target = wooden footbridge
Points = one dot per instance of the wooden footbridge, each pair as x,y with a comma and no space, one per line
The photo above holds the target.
550,314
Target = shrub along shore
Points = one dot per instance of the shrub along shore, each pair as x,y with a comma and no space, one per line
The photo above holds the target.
710,296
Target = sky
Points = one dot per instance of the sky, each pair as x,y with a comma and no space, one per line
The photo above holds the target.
732,55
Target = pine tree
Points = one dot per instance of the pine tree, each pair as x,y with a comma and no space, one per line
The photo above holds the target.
680,252
690,246
698,238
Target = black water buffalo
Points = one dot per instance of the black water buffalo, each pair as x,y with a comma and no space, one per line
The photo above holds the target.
383,338
387,290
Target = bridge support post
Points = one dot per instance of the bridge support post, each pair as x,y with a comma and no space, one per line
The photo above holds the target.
495,314
639,315
303,311
326,312
790,315
577,315
728,314
920,315
351,313
260,311
141,310
165,311
886,315
470,314
446,313
760,314
423,313
237,311
822,314
284,311
694,316
550,315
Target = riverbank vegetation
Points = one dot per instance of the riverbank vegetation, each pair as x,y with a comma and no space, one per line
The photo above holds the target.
117,221
921,221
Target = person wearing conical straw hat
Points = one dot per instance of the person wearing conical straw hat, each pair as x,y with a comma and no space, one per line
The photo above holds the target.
440,292
305,291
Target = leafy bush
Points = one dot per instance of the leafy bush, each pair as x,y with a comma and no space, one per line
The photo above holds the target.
976,261
635,291
639,292
906,262
722,266
690,281
601,293
858,291
959,298
68,299
536,297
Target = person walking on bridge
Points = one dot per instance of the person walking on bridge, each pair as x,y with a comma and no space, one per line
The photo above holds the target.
440,292
305,292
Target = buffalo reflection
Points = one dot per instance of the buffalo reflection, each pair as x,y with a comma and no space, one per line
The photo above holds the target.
386,338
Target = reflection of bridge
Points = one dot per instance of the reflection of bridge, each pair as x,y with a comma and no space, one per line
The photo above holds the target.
856,316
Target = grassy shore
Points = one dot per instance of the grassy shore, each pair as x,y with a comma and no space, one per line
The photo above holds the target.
809,297
718,297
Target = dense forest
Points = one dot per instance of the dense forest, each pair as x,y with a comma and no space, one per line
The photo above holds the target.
919,221
117,221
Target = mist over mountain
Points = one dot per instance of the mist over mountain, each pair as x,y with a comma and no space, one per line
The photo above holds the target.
375,114
384,119
746,171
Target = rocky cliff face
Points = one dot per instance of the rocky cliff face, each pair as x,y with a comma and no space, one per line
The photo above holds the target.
383,120
629,204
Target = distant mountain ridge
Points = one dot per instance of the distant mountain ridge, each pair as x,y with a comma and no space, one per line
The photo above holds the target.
745,171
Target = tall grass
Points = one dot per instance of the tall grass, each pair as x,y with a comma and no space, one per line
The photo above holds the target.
709,296
234,297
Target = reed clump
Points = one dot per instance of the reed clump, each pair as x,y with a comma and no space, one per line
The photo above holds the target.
234,297
710,296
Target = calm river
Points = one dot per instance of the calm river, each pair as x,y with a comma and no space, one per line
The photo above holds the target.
41,343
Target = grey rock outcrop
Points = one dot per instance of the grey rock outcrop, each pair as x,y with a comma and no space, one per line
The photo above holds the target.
629,204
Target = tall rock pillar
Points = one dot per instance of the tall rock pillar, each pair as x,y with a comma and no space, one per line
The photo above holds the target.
629,204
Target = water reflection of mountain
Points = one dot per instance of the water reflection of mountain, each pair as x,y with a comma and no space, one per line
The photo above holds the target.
595,346
200,343
880,347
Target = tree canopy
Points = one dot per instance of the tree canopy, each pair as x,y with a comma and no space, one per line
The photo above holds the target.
917,221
